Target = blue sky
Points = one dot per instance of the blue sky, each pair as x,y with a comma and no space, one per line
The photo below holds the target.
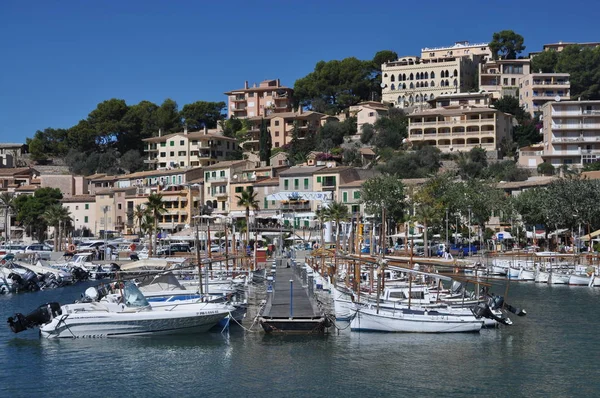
59,59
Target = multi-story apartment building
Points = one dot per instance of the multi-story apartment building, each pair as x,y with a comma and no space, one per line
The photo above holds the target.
254,177
83,211
571,131
111,209
538,88
268,98
460,128
12,178
501,77
188,149
459,49
217,183
281,126
329,179
411,81
350,193
558,47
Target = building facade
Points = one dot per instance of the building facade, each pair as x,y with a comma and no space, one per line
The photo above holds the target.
501,77
535,89
460,128
411,81
262,100
83,211
188,149
571,131
217,183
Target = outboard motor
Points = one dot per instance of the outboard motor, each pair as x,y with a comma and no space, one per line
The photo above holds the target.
483,310
79,274
496,302
456,287
41,315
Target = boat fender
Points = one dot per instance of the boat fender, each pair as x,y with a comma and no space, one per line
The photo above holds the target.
72,247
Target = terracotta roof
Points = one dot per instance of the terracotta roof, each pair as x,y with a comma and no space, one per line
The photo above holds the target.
15,171
149,173
538,182
225,164
267,181
592,175
353,184
367,151
334,170
27,188
251,89
300,170
79,198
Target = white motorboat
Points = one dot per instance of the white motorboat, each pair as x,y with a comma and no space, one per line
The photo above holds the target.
368,318
541,276
128,314
527,274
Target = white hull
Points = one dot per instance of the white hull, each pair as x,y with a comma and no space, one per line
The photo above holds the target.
513,273
526,275
542,277
95,324
498,270
558,279
367,319
580,280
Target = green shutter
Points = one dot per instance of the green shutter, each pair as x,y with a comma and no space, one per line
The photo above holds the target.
171,143
296,183
345,196
266,204
285,184
356,194
85,218
306,183
318,179
207,176
87,207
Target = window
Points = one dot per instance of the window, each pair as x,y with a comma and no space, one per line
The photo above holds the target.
219,142
505,81
181,142
513,81
276,122
277,134
345,197
285,184
356,195
219,153
222,173
163,144
214,174
250,95
392,87
277,145
296,183
194,142
182,163
239,189
265,204
181,153
227,144
76,207
371,114
87,206
171,143
119,206
319,179
207,176
306,183
85,219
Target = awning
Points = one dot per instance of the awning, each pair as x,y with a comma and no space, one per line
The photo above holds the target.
592,235
503,235
557,232
240,214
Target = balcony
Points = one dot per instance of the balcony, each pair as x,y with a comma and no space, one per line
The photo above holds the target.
221,196
151,161
240,98
591,112
576,126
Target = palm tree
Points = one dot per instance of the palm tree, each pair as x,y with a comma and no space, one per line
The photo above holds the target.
7,202
139,212
247,199
322,216
156,207
52,217
337,212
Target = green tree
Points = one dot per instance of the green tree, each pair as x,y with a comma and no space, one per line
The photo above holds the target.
506,171
472,164
139,122
232,126
335,85
413,164
544,62
510,104
199,114
264,143
247,200
384,191
506,44
583,65
156,207
390,130
106,120
168,118
139,214
367,133
545,169
48,143
131,161
29,209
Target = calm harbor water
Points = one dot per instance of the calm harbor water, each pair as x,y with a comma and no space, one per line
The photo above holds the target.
554,351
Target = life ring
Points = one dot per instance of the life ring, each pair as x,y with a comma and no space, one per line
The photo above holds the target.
72,247
132,247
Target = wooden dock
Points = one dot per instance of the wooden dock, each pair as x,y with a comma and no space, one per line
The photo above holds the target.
289,310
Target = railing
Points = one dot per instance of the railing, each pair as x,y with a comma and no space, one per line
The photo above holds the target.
532,153
577,126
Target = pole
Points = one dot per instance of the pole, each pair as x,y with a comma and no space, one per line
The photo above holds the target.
447,247
197,243
291,298
469,231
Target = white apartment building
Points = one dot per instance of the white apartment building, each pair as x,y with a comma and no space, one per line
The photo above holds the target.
535,89
411,81
188,149
459,49
460,127
83,211
571,131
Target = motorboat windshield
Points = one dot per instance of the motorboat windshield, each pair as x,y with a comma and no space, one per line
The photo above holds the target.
133,297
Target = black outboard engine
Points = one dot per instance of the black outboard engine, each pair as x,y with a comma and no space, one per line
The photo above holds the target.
79,274
41,315
496,302
483,310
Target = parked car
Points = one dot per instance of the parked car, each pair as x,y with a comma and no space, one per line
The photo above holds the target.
171,250
44,251
12,248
